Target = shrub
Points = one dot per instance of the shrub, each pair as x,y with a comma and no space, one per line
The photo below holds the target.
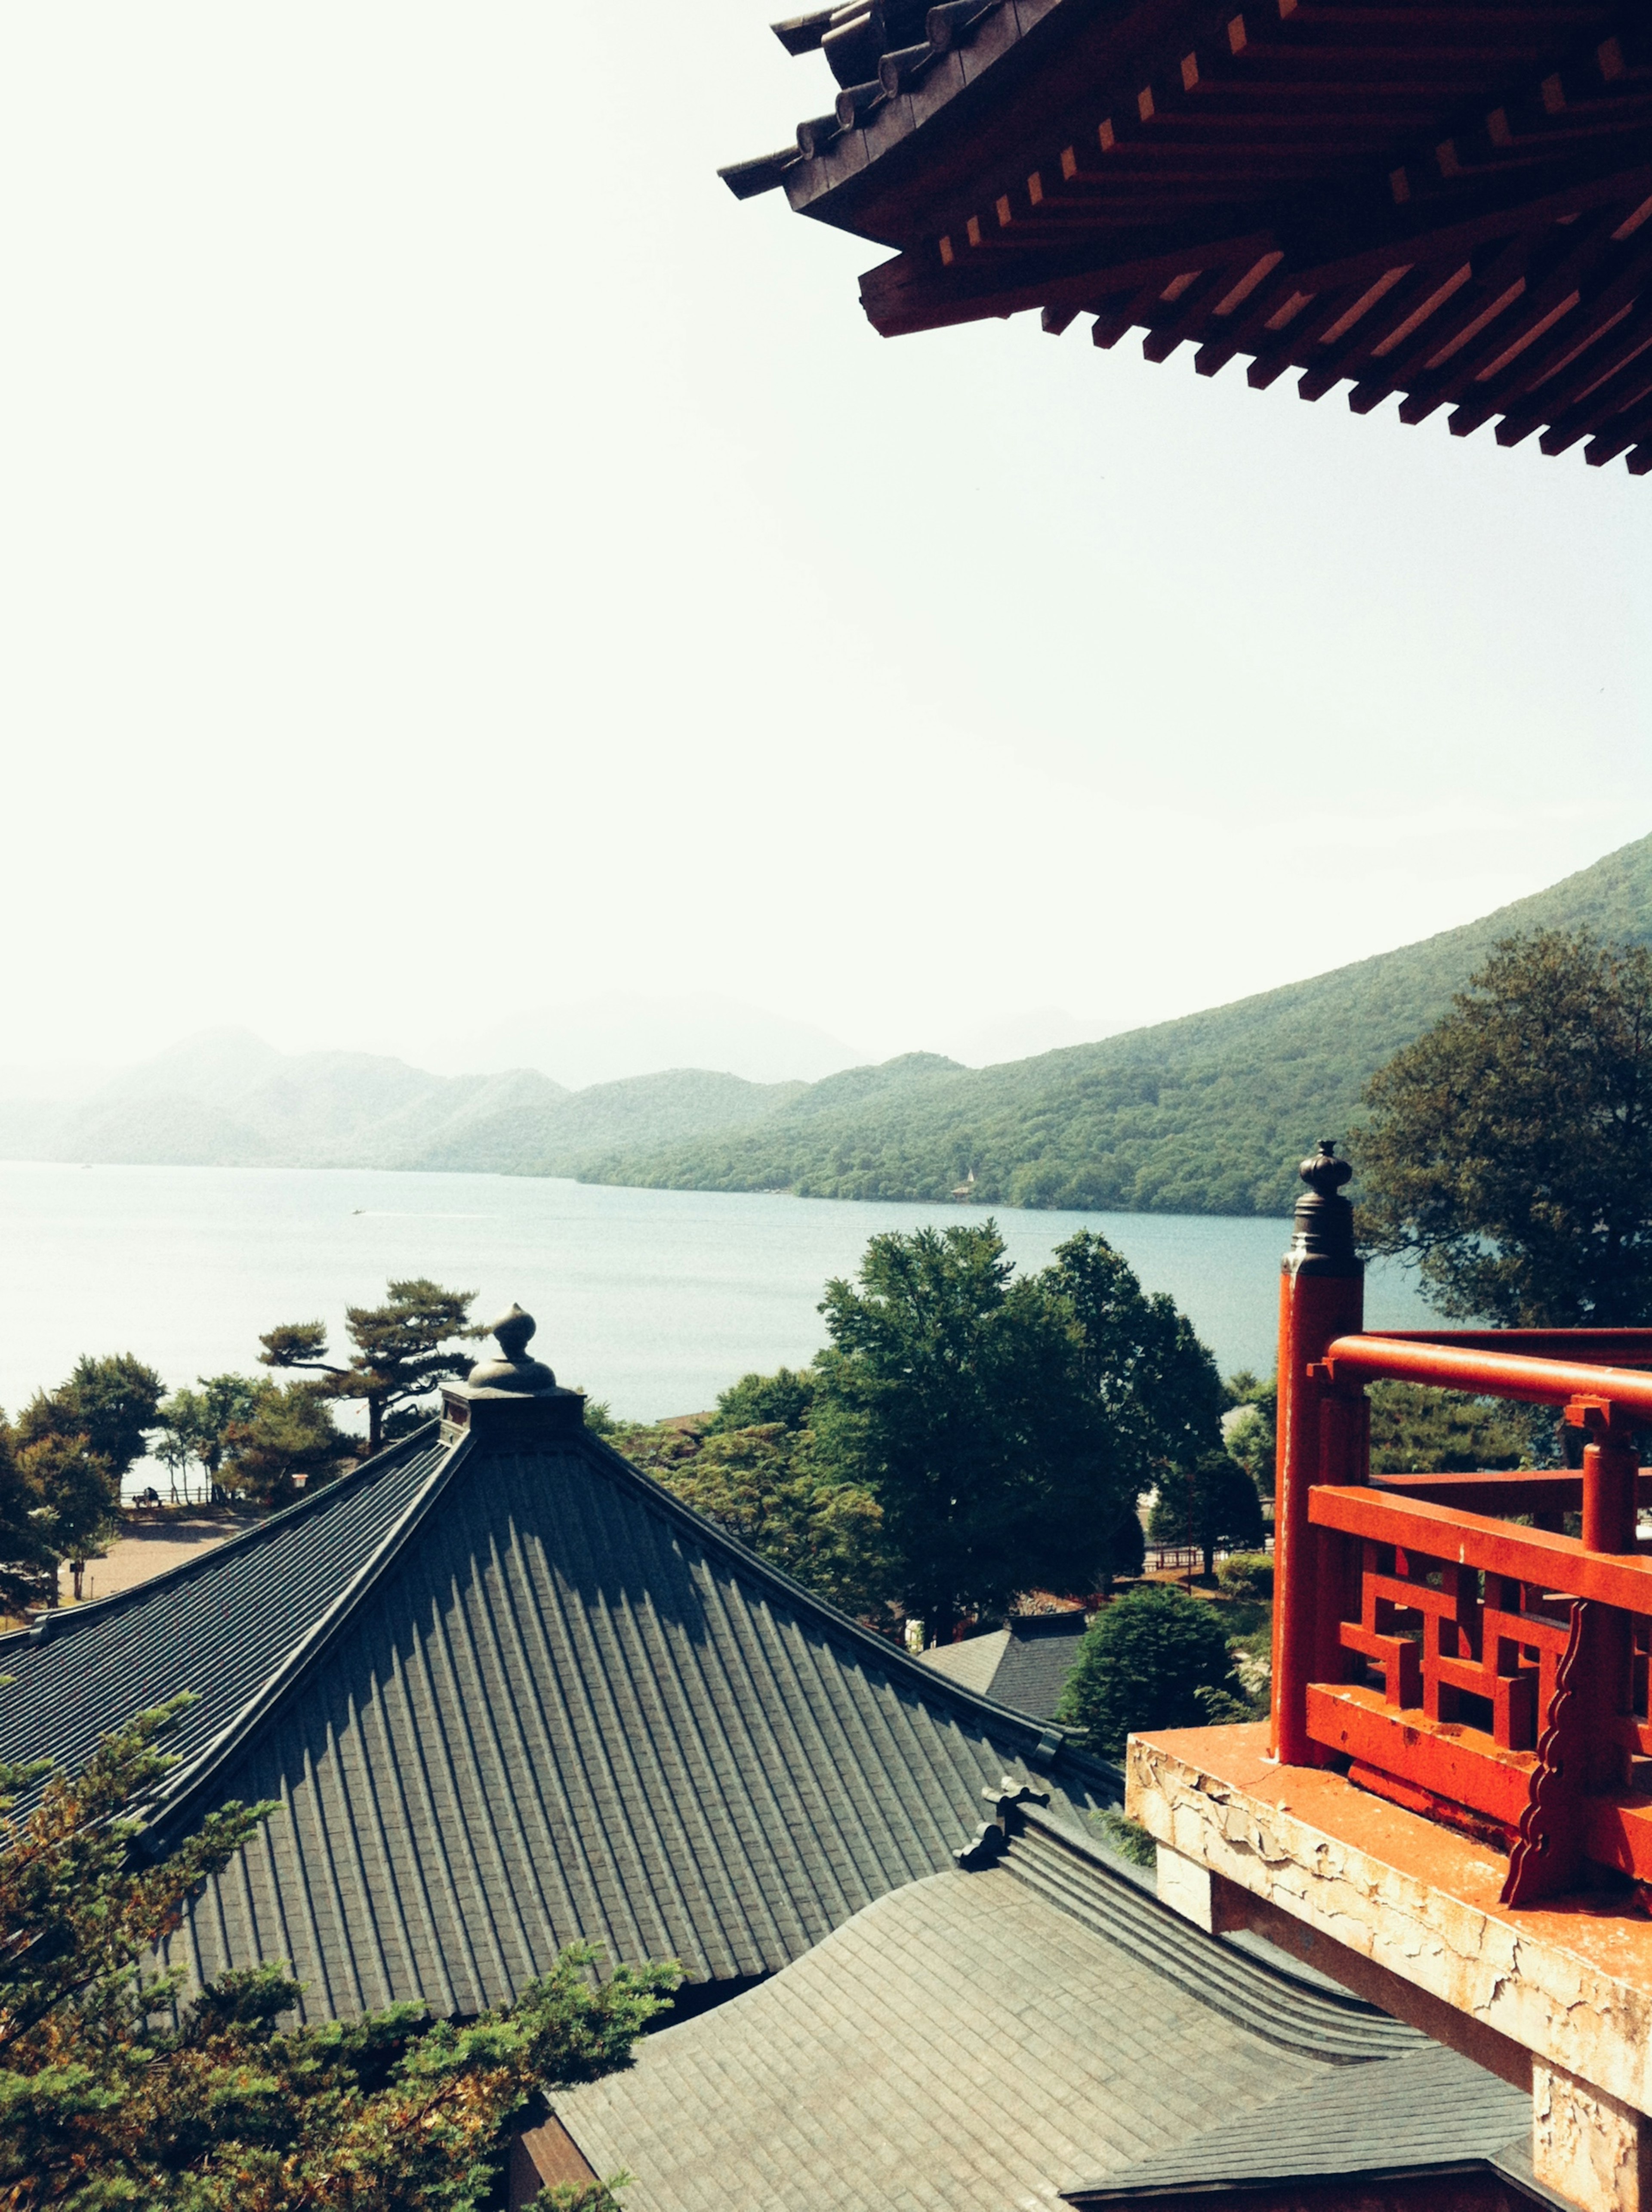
1142,1664
1246,1574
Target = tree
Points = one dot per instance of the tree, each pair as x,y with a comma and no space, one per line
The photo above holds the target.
1415,1430
119,2087
1253,1438
786,1397
78,1495
195,1424
765,1486
1510,1149
285,1440
111,1402
961,1402
400,1353
1144,1663
1212,1504
1157,1383
28,1565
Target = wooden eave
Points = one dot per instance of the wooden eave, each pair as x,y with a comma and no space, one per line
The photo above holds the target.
1440,199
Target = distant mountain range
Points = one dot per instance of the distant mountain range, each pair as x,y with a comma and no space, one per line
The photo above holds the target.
1206,1114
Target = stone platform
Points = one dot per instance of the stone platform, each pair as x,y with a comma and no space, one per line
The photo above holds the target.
1405,1912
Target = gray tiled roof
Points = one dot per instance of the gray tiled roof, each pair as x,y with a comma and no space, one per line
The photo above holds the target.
1431,2108
976,2041
1023,1665
509,1694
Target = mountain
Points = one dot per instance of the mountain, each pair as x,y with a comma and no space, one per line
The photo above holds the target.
1206,1114
225,1098
604,1041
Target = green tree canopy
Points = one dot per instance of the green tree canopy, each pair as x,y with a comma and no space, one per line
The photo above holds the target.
285,1439
1509,1151
113,1403
765,1484
403,1349
1142,1663
786,1395
195,1424
964,1402
119,2087
1212,1504
28,1564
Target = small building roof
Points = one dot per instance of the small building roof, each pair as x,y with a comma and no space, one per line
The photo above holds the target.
1023,1665
508,1693
1445,203
982,2040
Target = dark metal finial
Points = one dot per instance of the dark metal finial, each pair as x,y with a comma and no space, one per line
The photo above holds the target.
1323,1243
514,1328
513,1371
1322,1171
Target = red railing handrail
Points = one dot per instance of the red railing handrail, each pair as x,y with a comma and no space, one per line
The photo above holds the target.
1612,1347
1485,1373
1480,1539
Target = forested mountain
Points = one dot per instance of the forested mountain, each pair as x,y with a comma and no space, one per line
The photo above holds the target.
1206,1114
227,1099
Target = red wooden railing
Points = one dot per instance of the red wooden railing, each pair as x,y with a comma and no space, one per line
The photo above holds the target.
1483,1672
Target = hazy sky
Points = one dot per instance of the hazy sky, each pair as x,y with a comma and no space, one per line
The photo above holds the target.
455,557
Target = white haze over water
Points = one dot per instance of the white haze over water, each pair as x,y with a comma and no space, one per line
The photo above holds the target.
653,1300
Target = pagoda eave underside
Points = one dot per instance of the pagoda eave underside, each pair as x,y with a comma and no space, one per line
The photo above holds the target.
1447,204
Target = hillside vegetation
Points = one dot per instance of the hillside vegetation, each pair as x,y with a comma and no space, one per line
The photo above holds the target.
1206,1114
227,1099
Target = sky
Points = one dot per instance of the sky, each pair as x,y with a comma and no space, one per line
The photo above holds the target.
454,557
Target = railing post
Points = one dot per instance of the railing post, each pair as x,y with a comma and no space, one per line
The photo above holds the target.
1321,1297
1611,1510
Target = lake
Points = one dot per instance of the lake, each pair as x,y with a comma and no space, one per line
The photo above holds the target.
653,1300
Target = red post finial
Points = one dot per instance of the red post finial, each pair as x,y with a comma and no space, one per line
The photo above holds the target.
1321,1297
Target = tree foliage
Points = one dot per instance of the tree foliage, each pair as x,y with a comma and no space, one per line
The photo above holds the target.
1150,1659
121,2088
1005,1426
1509,1152
1213,1505
403,1350
1415,1430
284,1440
196,1425
28,1564
767,1486
786,1397
113,1403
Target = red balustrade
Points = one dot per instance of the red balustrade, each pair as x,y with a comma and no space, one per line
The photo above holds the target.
1488,1671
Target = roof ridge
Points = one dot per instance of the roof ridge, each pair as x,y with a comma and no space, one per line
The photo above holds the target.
177,1793
1199,1961
60,1621
901,1662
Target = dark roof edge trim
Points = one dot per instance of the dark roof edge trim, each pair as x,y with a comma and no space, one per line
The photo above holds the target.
765,174
928,1680
59,1623
181,1790
1159,2192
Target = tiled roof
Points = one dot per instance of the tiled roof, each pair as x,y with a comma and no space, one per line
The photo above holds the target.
1430,2111
896,62
989,2040
507,1693
1023,1665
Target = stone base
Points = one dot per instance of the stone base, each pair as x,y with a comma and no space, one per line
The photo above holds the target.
1406,1913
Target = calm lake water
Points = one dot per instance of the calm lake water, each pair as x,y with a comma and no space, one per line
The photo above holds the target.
654,1300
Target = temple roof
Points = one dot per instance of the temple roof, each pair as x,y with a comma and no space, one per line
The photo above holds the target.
508,1693
1023,1665
1440,199
990,2039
